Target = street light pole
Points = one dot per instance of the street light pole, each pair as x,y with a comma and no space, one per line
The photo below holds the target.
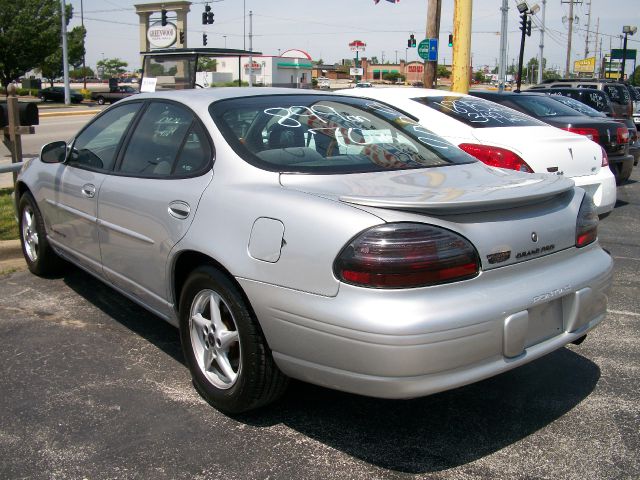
84,66
627,30
65,54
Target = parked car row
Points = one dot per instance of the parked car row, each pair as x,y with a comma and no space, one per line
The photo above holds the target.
56,94
617,100
351,240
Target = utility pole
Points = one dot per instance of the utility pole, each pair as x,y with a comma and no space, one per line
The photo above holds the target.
461,71
503,45
84,35
65,54
433,31
586,39
596,45
250,48
542,28
567,68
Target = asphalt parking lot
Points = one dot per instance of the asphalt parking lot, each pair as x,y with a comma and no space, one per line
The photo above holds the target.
95,387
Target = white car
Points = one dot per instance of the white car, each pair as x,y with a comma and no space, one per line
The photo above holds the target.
502,137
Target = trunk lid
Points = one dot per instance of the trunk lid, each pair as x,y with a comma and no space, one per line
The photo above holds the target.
509,217
547,149
448,190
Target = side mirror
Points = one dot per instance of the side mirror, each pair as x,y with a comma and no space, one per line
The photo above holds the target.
54,152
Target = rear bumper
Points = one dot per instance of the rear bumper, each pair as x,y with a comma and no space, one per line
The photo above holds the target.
410,343
602,187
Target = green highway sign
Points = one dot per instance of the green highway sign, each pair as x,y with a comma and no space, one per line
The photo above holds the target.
428,49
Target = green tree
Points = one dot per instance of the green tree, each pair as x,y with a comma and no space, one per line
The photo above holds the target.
443,72
479,76
29,33
374,61
207,64
52,66
112,67
635,77
391,76
79,73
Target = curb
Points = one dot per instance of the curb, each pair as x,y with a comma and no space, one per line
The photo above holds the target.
11,258
64,114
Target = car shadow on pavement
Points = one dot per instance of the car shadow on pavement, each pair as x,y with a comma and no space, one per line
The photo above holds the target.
422,435
444,430
124,311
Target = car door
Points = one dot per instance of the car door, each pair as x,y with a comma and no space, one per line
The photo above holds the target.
72,202
148,205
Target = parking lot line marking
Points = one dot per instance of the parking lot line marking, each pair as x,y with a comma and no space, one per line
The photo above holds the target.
624,312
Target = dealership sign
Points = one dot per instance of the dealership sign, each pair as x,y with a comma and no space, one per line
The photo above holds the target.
162,37
586,65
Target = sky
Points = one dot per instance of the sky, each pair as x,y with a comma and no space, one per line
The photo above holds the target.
324,28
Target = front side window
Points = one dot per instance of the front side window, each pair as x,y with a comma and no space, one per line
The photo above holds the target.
478,112
167,137
96,146
329,134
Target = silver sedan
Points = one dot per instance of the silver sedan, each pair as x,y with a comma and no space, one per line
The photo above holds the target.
327,238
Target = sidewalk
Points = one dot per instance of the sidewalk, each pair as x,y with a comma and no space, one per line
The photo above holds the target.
11,258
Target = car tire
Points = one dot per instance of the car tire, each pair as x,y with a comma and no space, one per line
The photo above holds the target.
224,348
101,101
40,257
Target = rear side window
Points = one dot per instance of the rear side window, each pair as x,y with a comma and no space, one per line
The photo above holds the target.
167,141
329,134
616,93
478,112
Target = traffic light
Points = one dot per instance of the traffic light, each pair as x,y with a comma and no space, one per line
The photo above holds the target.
204,39
207,16
451,40
163,13
182,37
412,41
525,24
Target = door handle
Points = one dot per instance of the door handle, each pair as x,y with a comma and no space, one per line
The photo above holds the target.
179,209
89,190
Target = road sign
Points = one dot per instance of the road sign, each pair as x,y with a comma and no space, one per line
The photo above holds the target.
428,49
617,53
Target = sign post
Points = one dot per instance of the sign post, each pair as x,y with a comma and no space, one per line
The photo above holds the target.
357,46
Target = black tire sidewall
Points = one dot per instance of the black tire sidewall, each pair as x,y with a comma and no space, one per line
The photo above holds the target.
240,396
46,261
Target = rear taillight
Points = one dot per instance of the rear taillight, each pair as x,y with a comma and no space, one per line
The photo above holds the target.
406,255
605,158
622,134
496,157
590,133
587,223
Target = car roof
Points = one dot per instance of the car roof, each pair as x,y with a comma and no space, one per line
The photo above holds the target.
400,93
203,97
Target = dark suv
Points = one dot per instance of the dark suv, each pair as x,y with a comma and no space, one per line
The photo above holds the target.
618,93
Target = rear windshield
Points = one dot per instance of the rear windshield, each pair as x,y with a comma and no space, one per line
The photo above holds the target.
543,107
576,105
593,98
329,134
617,93
478,112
